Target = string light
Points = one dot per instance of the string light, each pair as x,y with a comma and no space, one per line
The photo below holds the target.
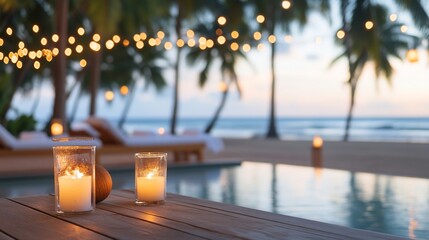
1,41
110,44
139,44
43,41
180,43
35,28
158,41
341,34
55,51
81,31
94,46
191,42
190,33
219,32
272,39
79,48
210,43
6,60
82,63
160,34
286,4
152,42
72,40
39,54
369,25
235,34
143,36
116,39
9,31
21,45
109,95
1,56
393,17
136,37
36,65
123,90
168,45
32,54
68,51
257,36
246,47
125,43
221,20
221,40
55,38
96,37
260,47
19,64
404,28
260,18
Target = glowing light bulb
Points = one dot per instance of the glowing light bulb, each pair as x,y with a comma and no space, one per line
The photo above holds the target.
221,20
168,45
81,31
110,44
123,90
96,37
55,38
109,95
235,34
260,18
286,4
393,17
221,40
82,63
341,34
35,28
246,47
257,36
71,40
369,25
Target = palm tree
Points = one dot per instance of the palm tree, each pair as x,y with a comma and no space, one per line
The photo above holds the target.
233,12
375,41
186,10
20,15
277,19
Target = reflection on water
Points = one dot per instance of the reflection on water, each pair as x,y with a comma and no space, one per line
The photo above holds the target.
395,205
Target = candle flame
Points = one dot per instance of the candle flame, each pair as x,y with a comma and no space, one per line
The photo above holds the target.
150,175
75,174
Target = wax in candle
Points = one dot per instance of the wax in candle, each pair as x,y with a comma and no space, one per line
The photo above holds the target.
151,188
75,193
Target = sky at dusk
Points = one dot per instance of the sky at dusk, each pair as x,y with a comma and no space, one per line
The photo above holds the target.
306,85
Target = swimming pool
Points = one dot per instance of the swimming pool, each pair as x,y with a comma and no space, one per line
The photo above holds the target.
389,204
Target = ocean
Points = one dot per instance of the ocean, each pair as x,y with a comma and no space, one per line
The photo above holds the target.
384,129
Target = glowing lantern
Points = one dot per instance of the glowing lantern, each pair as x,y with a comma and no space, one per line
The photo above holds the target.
317,142
57,127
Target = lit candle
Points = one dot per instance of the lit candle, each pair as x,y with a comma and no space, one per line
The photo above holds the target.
75,192
151,188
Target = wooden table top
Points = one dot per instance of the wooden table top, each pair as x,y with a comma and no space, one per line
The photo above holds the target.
181,217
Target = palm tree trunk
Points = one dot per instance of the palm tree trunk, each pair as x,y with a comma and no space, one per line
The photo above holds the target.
76,104
178,28
37,99
127,107
94,81
350,112
215,117
60,67
272,128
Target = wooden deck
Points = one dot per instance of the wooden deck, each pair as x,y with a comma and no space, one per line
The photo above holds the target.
180,218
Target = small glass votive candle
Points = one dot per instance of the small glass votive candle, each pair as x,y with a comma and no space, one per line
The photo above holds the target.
74,174
150,178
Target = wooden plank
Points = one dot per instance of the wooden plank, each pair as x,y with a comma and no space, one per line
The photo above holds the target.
299,222
123,206
26,223
4,236
111,224
230,224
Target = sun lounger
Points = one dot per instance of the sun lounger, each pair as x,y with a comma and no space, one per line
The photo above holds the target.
182,146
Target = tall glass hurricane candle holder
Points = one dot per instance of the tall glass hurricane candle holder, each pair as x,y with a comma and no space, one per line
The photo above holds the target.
150,178
74,173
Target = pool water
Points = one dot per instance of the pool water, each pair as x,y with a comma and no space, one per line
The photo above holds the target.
382,203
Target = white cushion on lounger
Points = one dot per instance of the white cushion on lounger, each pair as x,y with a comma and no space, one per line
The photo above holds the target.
85,127
9,141
115,135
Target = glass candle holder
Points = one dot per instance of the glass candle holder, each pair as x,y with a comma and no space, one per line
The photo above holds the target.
74,173
150,178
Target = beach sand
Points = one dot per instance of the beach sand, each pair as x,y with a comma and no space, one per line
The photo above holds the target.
403,159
